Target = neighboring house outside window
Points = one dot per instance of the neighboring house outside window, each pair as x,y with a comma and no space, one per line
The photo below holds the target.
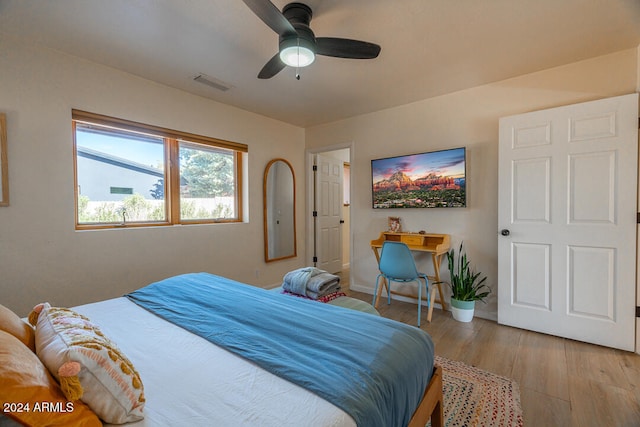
100,175
124,177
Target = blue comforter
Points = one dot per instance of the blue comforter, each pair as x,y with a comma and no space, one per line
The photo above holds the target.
373,368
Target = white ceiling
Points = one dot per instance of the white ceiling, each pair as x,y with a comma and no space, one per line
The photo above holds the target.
429,47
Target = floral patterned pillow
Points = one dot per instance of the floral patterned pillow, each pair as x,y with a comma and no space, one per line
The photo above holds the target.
88,365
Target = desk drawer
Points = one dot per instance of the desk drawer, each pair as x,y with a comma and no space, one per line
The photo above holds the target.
412,240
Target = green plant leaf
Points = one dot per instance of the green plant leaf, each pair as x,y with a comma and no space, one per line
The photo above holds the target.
466,285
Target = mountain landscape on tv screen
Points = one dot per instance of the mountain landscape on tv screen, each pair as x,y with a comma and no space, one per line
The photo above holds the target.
431,191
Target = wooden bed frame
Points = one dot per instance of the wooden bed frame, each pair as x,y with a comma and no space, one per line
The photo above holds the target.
431,405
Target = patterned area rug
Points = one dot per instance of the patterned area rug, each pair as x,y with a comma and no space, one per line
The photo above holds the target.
473,397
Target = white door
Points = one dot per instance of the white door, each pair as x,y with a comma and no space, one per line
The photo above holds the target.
328,208
567,221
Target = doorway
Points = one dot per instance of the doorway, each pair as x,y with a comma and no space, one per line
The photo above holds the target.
329,234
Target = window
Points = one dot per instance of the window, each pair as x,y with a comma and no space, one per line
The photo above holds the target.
121,190
130,175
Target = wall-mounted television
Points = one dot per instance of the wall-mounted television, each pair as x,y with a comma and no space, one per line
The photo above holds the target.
436,179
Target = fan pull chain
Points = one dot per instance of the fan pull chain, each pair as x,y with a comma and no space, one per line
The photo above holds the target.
298,64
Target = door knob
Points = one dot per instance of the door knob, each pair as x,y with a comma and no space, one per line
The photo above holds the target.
505,232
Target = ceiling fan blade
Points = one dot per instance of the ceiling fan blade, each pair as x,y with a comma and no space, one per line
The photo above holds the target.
346,48
271,68
271,16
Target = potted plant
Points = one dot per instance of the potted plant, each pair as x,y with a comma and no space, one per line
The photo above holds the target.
467,287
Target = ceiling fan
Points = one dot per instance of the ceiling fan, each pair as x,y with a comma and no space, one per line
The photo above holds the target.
298,44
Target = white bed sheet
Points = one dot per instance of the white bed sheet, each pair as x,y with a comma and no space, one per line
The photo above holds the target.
190,382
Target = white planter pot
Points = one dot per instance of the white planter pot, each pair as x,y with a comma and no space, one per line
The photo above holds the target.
462,310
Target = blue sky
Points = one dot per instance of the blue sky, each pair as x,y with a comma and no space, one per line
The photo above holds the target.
145,152
441,163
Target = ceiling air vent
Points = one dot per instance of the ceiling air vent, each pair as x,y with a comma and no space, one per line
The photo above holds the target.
213,82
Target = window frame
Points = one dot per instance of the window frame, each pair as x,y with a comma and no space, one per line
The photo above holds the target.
171,141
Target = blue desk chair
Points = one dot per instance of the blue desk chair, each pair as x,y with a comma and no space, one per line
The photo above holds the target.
397,265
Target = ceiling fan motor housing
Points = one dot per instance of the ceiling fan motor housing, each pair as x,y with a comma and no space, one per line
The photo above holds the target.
299,15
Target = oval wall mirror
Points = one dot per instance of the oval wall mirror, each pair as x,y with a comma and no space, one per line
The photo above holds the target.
279,211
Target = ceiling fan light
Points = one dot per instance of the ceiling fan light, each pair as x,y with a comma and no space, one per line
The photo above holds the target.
297,52
297,56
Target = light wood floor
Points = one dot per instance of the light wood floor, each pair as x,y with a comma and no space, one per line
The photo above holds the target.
562,382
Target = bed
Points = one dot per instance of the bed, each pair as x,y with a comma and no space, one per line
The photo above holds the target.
209,353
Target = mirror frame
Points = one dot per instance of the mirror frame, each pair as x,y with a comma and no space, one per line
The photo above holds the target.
265,196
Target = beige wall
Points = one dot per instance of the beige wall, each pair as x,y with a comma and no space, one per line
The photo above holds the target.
42,257
467,118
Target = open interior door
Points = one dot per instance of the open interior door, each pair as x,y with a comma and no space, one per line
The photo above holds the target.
567,220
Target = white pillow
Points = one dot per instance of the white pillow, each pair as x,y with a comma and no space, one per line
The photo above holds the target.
74,349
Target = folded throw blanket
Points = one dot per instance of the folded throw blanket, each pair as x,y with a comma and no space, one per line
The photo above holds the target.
311,282
322,284
296,281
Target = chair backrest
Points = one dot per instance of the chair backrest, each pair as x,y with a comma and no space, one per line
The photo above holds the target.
396,261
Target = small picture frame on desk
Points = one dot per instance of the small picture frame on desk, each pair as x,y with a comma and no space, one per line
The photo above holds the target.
394,224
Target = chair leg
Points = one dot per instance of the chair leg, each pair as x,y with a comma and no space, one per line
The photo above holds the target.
388,292
375,292
419,300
